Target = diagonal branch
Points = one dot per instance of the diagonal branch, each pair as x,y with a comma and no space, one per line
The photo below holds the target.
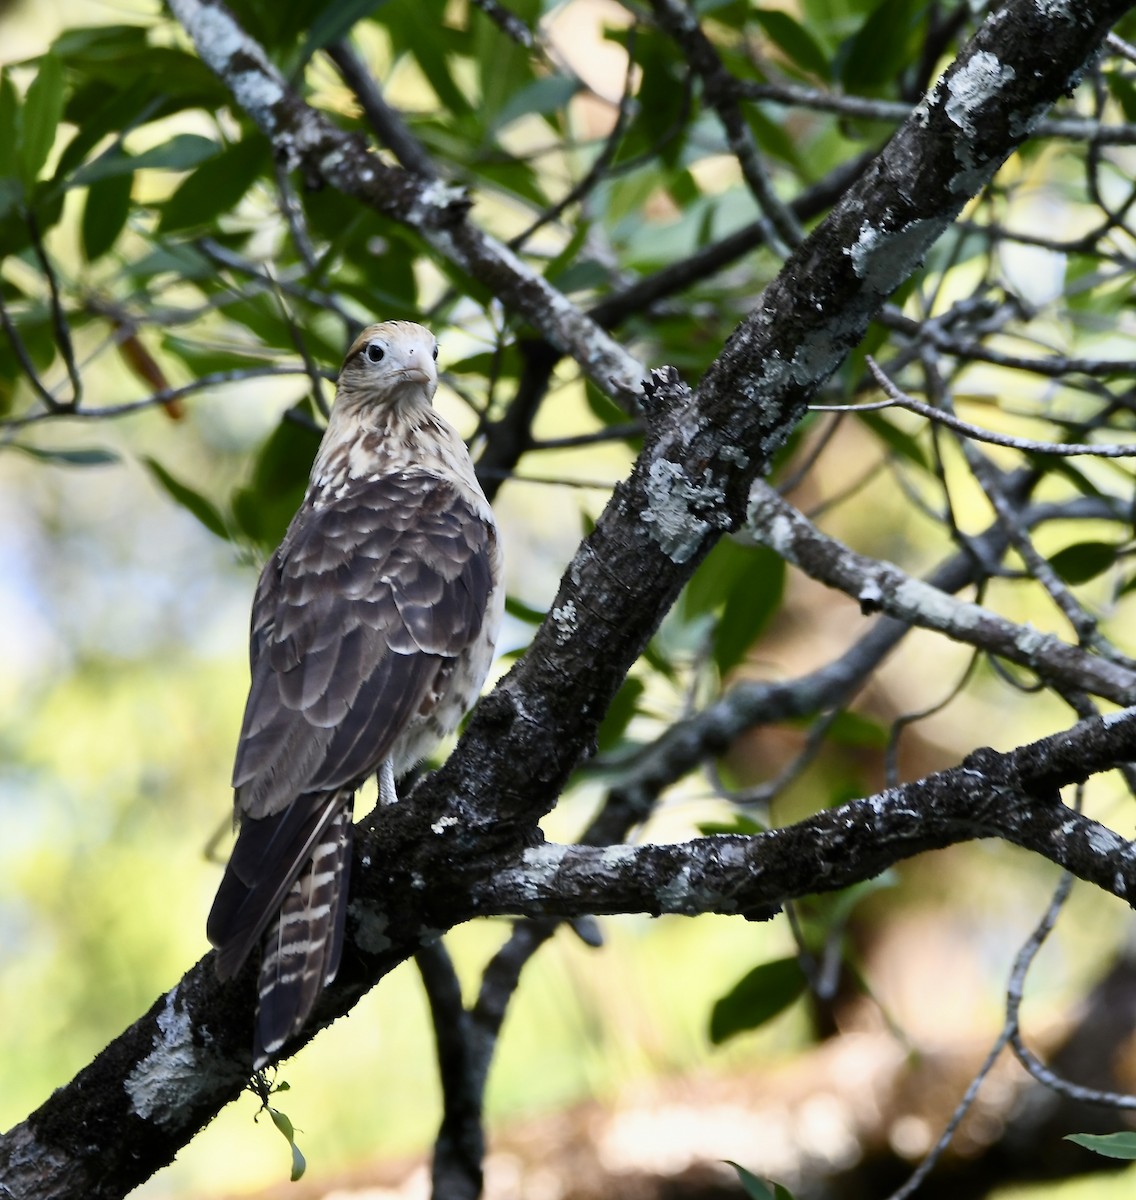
882,587
303,137
1012,796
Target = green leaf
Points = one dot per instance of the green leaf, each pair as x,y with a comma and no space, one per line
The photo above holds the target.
216,186
201,507
753,600
43,106
203,359
744,584
180,153
101,110
109,43
9,124
741,824
94,456
1111,1145
431,43
523,612
758,1189
1123,93
789,36
756,998
619,714
333,21
852,729
874,58
895,439
281,1121
263,509
299,1164
546,95
1084,561
585,275
104,214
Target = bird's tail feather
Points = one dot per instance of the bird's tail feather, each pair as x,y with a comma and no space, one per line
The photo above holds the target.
303,944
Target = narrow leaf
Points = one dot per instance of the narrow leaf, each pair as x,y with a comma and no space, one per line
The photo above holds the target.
619,714
541,96
180,153
104,214
740,824
284,1124
215,187
751,604
791,37
1111,1145
756,998
895,439
1084,561
43,106
263,509
299,1163
203,509
93,456
758,1189
874,57
9,118
333,22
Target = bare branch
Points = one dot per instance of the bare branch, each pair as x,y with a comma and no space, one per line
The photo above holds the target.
306,138
902,400
881,586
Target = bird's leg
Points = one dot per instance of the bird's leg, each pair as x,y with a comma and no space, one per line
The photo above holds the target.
387,793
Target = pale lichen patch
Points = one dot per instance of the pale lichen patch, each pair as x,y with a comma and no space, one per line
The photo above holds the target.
680,512
175,1072
972,87
540,866
371,927
884,258
565,621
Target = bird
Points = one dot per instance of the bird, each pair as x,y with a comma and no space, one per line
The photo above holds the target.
373,627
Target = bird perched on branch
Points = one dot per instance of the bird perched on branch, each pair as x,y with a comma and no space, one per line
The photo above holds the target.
373,628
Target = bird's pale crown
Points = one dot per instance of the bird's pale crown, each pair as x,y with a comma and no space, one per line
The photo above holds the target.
391,362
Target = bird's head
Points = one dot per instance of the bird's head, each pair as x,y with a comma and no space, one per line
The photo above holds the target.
391,363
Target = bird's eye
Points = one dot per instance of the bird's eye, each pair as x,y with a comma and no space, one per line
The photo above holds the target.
435,351
374,352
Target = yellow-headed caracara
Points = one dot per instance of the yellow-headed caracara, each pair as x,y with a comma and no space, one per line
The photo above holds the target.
373,628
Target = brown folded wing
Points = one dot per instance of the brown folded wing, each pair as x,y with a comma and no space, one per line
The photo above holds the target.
371,595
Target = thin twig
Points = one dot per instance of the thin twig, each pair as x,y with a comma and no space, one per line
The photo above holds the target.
1027,445
59,321
783,232
163,397
386,122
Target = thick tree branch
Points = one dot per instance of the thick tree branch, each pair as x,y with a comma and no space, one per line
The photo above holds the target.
1012,796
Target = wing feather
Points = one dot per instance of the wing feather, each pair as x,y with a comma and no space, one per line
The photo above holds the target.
357,617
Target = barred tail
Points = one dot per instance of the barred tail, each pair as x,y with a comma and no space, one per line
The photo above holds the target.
303,943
